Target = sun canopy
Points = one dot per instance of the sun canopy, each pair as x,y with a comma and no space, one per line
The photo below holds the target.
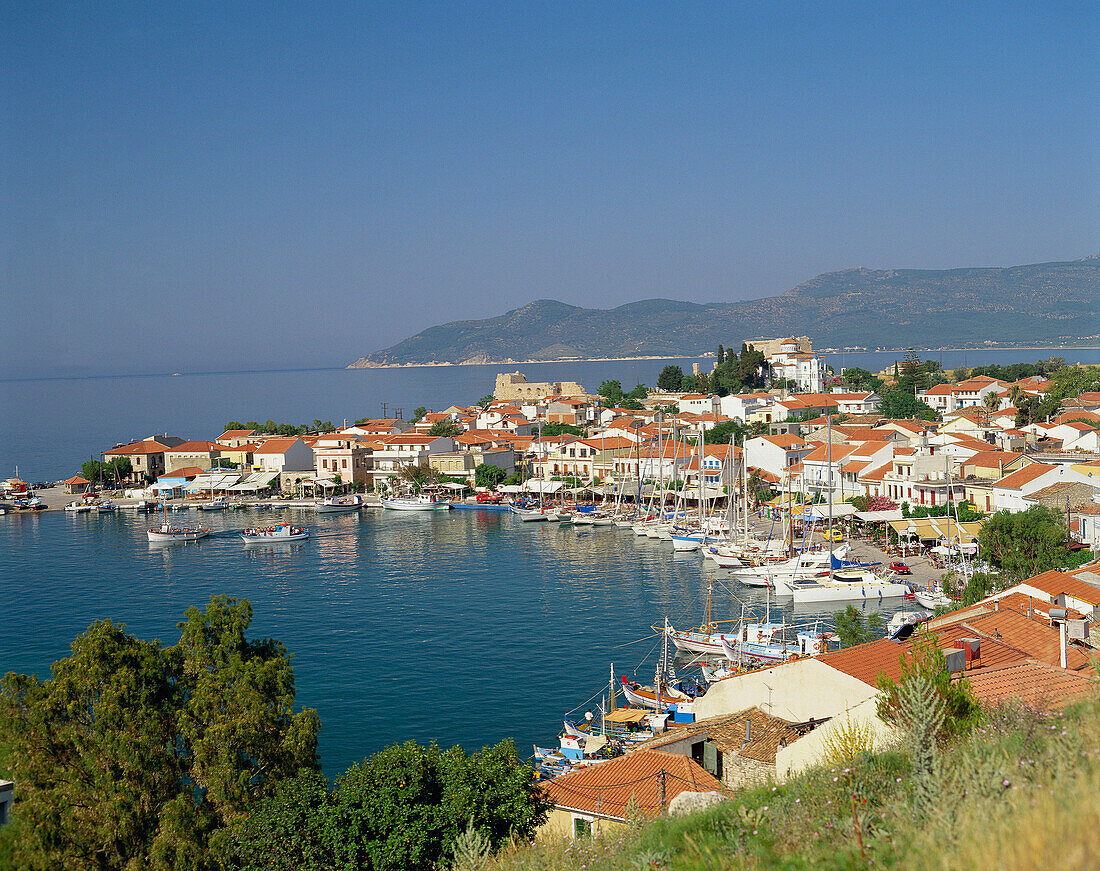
450,486
625,715
878,516
537,486
937,528
255,481
215,481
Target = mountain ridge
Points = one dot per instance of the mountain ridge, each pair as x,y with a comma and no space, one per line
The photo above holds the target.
855,307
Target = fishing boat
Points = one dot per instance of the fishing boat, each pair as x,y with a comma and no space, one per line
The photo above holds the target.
168,532
267,534
764,643
78,507
421,502
341,504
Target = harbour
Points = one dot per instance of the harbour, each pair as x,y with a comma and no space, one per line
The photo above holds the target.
457,627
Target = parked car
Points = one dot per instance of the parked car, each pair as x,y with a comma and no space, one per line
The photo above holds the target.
835,535
492,498
900,568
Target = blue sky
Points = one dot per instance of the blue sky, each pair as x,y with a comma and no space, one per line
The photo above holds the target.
214,186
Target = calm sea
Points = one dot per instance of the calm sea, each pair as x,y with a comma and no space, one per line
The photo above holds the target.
460,627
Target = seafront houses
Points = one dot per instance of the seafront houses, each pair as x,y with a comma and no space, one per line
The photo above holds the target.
776,453
343,458
204,455
379,426
1010,492
234,438
393,452
575,412
921,478
846,461
283,454
146,456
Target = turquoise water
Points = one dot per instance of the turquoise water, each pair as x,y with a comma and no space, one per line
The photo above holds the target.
460,627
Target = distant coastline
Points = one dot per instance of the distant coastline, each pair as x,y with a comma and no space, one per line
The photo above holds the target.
363,363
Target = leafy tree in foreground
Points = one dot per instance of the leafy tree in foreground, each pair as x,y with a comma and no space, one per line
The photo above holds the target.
403,808
416,475
897,402
136,756
927,660
418,413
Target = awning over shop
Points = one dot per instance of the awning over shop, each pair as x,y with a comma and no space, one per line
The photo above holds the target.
537,486
936,528
255,481
450,486
215,481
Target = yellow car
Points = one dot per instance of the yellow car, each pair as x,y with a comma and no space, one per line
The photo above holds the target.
835,535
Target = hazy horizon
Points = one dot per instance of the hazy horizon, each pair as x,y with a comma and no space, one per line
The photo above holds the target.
204,187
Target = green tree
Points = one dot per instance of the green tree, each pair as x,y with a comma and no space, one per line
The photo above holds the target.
486,400
136,756
235,424
860,379
670,379
720,434
489,476
556,429
418,413
612,392
417,475
401,809
638,392
897,402
93,470
962,711
445,427
1024,543
853,628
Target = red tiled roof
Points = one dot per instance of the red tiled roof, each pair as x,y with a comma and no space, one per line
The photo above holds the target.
191,447
134,448
277,446
1026,475
1036,683
76,479
236,433
606,789
1054,582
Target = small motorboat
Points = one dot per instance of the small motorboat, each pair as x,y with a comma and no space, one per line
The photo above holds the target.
167,532
339,504
78,507
421,502
281,532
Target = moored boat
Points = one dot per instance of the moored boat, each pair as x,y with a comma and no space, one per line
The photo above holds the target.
341,504
423,502
281,532
168,532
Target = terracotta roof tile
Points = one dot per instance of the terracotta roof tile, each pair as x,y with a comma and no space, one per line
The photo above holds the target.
727,732
1036,683
1026,475
606,789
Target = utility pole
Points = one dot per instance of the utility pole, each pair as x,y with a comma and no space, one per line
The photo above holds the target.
661,789
385,405
400,413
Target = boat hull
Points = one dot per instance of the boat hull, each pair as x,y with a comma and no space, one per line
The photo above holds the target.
414,505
